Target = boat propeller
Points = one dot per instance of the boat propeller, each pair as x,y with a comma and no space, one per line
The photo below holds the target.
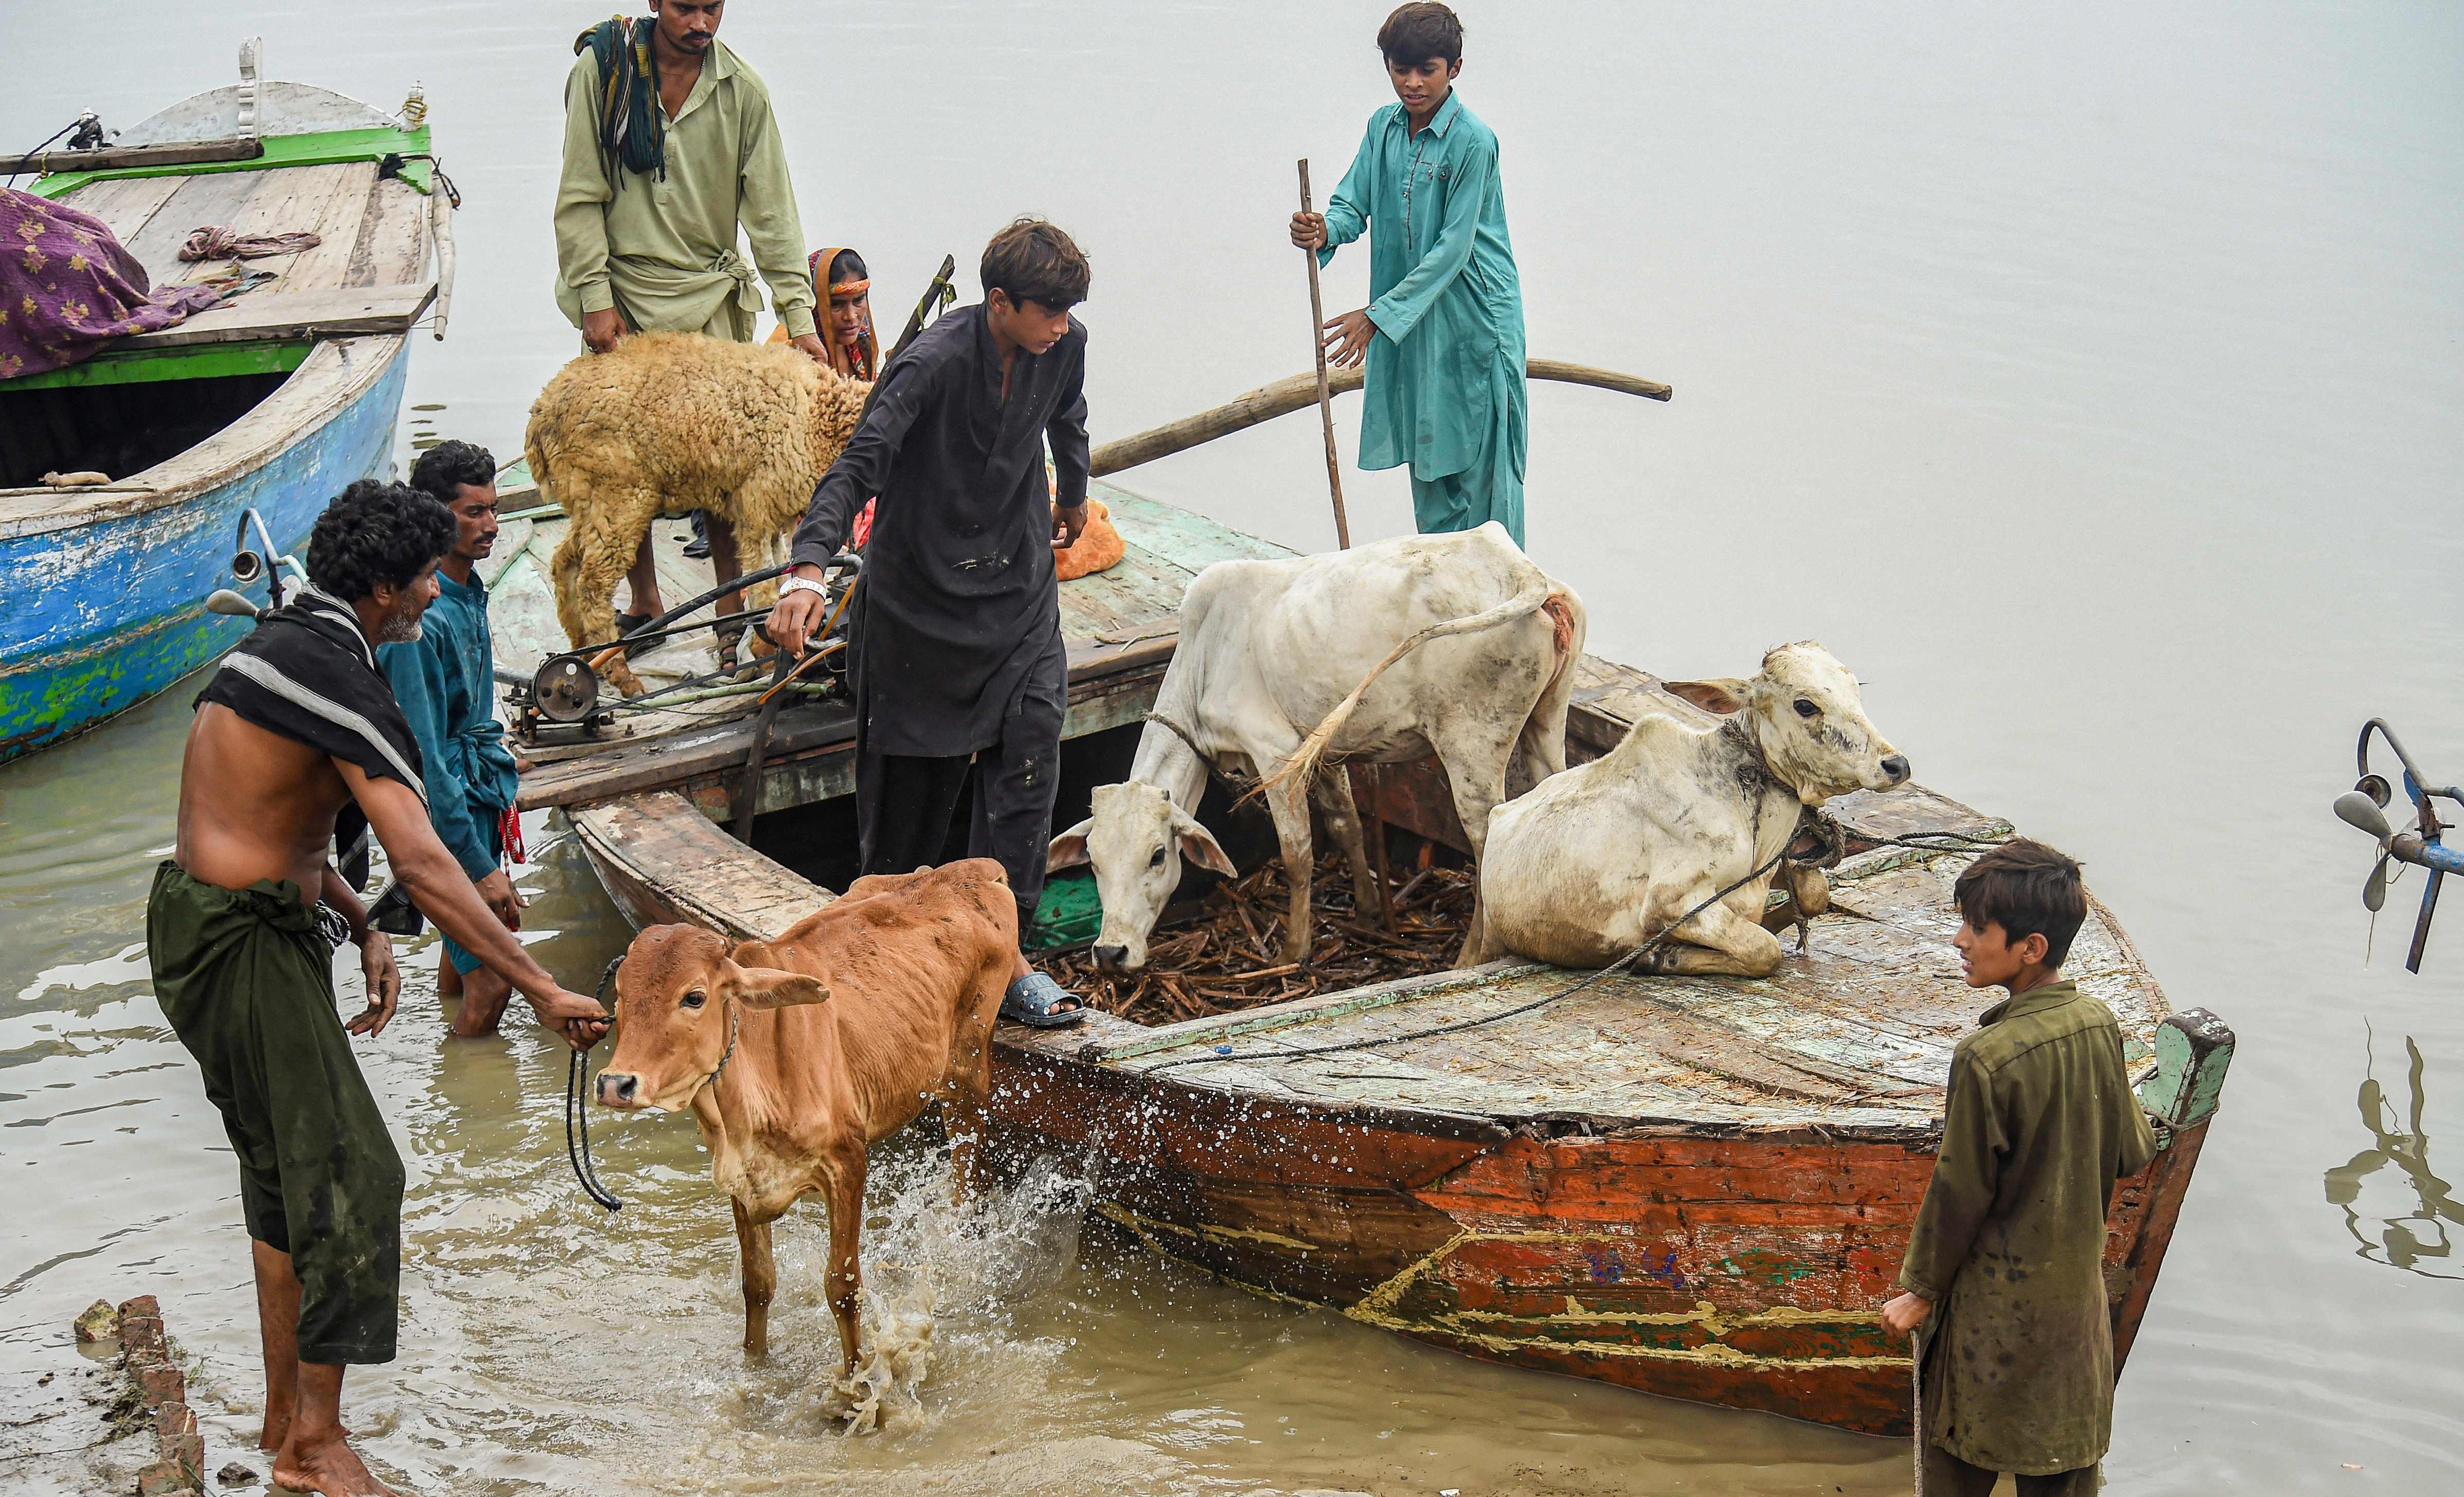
2363,807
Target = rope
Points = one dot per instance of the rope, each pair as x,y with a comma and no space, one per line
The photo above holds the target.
39,149
220,242
1224,777
1568,991
576,1108
735,1018
577,1103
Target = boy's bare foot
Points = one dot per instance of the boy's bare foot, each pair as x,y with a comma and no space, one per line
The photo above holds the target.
327,1465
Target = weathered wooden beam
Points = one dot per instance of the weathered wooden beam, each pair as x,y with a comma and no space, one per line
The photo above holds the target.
121,158
277,316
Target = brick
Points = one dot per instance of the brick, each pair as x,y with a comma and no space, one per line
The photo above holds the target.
172,1421
188,1453
140,1338
141,1305
163,1479
162,1383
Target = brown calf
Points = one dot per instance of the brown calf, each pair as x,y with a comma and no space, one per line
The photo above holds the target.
796,1054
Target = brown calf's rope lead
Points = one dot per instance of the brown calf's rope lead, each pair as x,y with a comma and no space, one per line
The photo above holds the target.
577,1108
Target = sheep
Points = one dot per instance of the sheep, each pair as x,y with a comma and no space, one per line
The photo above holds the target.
669,422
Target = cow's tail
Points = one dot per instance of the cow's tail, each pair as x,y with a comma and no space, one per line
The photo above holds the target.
1303,765
1561,633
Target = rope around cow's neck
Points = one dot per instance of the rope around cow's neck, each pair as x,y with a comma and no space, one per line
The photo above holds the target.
734,1017
576,1101
1238,786
1972,846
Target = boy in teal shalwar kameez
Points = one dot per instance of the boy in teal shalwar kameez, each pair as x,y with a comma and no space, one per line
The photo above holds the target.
1443,334
446,683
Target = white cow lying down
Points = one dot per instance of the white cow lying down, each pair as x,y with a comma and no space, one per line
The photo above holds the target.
1596,860
1271,651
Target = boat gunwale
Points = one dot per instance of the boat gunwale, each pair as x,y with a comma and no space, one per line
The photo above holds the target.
294,408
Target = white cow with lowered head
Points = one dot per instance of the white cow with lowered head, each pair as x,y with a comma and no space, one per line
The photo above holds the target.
1594,861
1454,645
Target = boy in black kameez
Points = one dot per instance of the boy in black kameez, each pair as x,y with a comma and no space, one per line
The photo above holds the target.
2009,1246
957,660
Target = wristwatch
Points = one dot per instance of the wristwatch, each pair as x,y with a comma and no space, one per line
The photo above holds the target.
794,584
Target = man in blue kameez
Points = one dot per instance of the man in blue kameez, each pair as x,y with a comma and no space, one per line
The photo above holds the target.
1443,332
445,680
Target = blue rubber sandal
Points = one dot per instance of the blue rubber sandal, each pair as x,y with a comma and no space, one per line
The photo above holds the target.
1035,1001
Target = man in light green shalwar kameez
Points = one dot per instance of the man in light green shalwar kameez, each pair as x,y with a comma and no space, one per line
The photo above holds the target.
658,249
646,224
1443,332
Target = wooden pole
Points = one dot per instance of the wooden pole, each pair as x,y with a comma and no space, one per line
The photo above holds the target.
1325,396
1284,396
1373,825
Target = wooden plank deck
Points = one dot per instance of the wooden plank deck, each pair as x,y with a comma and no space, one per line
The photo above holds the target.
368,274
1118,624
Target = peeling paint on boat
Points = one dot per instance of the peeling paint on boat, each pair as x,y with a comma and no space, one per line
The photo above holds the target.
107,614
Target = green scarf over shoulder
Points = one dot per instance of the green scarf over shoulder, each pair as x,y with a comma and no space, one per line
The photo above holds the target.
633,131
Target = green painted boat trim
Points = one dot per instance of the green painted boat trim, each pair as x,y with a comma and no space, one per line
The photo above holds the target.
315,148
2194,1049
146,367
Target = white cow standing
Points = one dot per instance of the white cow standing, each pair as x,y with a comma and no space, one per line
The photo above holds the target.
1454,645
1596,860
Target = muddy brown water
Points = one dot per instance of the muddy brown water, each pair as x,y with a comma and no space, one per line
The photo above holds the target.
2086,378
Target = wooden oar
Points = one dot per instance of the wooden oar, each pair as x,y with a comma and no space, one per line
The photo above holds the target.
1325,396
1284,396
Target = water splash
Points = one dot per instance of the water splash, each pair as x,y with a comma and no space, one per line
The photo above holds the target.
930,1264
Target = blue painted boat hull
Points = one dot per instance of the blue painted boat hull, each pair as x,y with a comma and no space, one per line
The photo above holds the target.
98,618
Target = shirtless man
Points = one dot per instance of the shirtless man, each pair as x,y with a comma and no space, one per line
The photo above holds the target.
296,725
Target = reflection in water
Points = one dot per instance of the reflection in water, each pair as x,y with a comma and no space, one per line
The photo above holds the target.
2408,1149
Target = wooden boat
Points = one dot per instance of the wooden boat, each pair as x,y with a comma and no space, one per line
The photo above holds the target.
1694,1187
272,401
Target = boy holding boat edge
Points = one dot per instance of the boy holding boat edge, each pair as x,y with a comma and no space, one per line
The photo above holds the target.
2016,1370
296,725
1443,335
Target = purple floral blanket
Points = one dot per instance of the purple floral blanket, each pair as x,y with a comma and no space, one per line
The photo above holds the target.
67,287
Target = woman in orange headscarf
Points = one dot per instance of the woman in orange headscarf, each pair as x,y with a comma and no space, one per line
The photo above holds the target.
844,289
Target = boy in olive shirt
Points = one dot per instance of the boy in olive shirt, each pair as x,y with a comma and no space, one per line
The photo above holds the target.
2009,1246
